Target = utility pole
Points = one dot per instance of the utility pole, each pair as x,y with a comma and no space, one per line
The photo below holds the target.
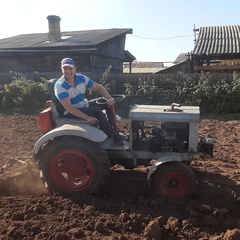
195,34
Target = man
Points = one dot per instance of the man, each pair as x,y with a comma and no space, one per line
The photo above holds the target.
70,90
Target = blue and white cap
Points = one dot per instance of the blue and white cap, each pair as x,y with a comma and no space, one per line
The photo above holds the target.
67,62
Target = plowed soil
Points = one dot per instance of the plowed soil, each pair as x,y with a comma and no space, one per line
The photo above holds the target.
127,210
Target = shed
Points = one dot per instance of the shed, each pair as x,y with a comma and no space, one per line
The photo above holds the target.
181,64
217,49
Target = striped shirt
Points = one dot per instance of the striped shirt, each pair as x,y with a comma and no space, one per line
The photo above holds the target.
76,94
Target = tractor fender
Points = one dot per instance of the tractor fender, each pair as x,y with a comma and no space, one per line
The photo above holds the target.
162,160
86,131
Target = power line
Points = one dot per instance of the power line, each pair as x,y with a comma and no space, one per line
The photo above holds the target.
164,38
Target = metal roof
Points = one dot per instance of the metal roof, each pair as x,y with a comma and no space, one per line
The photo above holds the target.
218,40
87,38
181,57
143,67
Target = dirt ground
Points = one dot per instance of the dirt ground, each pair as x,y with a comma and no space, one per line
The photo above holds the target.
127,210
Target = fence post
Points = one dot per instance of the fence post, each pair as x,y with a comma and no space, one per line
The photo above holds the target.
113,85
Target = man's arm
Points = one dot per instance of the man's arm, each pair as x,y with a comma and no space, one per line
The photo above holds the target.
103,91
76,112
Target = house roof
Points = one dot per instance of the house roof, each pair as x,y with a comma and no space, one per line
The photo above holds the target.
181,57
128,56
80,39
143,67
218,40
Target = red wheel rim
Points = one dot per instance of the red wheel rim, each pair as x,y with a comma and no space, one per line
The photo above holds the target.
174,184
72,170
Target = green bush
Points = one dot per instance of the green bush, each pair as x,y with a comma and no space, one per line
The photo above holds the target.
23,93
199,89
212,96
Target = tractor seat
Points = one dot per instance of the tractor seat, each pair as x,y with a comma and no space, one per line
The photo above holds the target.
59,107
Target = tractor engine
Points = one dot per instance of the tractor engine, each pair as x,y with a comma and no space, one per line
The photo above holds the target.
168,136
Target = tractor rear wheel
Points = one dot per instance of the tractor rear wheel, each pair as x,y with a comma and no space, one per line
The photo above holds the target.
173,179
73,165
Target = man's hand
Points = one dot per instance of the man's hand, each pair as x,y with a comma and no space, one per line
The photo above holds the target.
92,120
110,102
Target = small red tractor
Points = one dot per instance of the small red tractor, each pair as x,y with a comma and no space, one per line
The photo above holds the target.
75,157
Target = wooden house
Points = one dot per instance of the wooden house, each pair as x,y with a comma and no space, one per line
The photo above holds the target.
181,64
92,50
217,49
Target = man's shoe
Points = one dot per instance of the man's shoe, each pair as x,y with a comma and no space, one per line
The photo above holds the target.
119,138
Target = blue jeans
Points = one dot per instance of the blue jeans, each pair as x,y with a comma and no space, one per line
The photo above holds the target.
95,110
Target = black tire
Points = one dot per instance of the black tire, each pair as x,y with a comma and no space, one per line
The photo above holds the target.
73,165
173,179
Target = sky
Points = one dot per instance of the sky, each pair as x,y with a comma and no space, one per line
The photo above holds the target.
162,29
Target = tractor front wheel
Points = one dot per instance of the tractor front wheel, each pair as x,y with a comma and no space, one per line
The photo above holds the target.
173,179
73,165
